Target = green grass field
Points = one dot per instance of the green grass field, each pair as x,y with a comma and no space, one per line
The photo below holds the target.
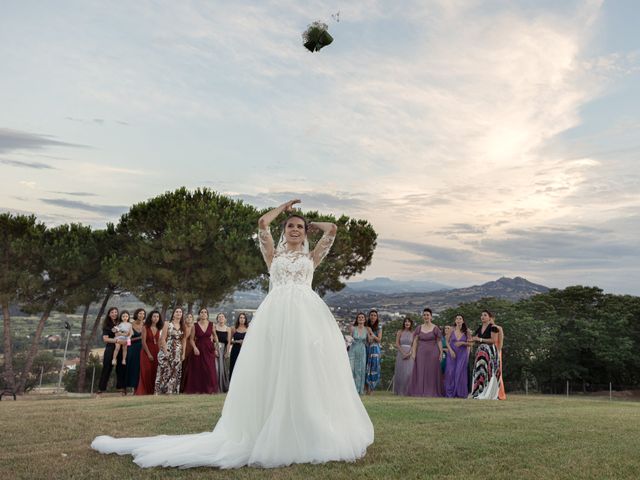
524,437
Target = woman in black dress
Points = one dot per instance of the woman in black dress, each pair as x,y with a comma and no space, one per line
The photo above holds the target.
108,337
237,336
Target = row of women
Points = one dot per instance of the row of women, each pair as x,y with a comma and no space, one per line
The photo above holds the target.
430,364
174,356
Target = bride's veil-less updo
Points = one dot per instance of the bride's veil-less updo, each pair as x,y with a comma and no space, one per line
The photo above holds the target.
282,243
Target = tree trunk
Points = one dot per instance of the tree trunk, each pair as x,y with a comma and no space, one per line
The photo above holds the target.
163,312
82,367
96,323
34,346
9,378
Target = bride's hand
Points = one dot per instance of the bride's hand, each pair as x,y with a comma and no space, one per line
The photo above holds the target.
288,207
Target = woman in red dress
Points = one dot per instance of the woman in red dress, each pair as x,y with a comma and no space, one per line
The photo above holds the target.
202,376
149,353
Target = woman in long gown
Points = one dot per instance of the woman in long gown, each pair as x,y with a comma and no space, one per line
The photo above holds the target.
237,338
456,384
426,349
374,352
188,350
358,352
108,337
404,362
133,352
486,370
292,397
223,332
502,395
202,377
149,354
171,354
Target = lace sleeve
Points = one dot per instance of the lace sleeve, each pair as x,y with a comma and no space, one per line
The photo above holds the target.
265,240
322,248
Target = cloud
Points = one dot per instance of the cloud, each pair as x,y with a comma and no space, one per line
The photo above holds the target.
77,194
15,140
432,253
22,164
109,210
325,202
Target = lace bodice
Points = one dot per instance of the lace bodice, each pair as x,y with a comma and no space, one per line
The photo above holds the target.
293,267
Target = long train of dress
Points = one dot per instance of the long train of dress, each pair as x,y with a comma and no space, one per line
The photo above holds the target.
291,399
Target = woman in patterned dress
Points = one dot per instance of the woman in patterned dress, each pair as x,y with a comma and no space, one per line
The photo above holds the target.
486,370
171,354
358,352
374,353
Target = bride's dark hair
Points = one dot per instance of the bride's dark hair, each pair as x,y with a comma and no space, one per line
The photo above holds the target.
306,223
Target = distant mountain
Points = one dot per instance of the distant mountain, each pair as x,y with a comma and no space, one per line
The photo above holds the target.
386,285
512,289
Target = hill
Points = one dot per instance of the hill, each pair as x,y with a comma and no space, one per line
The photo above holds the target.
505,288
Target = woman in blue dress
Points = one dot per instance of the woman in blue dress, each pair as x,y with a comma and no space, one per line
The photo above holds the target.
374,352
358,352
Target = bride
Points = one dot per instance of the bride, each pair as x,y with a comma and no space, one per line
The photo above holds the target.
292,398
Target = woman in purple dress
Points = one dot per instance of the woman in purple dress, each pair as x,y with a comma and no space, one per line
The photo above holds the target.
426,378
404,362
202,377
456,382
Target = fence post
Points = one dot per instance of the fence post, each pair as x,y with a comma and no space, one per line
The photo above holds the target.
93,376
610,392
41,371
567,388
526,386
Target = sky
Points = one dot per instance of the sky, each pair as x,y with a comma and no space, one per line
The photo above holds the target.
480,138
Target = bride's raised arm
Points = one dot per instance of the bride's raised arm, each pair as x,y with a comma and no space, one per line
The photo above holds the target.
324,244
264,234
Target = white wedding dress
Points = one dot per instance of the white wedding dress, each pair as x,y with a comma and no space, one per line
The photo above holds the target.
292,398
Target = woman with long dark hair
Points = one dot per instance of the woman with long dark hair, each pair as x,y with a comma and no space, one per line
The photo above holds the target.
188,350
171,354
358,351
374,353
502,395
456,383
404,362
108,337
149,355
134,351
237,337
486,370
202,377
